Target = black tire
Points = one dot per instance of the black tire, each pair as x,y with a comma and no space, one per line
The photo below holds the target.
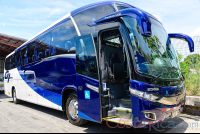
78,121
15,100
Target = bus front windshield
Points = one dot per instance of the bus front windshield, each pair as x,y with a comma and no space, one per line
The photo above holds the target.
153,55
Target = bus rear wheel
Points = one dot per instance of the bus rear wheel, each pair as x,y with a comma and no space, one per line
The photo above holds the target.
15,100
72,111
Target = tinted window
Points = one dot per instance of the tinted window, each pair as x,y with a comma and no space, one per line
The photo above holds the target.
13,65
23,57
17,59
112,38
42,49
90,15
86,63
7,63
30,53
63,39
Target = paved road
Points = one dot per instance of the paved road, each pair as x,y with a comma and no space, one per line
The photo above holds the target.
30,118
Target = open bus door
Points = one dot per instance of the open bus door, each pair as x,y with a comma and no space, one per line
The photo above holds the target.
87,77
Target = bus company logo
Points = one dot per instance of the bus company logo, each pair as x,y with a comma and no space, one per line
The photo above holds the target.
7,76
152,89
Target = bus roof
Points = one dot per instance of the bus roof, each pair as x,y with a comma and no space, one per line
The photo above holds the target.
99,4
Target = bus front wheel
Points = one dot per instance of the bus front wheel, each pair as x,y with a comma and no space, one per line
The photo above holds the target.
15,100
72,110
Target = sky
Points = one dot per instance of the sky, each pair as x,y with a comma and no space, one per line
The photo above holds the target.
26,18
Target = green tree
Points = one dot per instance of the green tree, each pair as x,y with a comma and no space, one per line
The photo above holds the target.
193,60
180,57
192,83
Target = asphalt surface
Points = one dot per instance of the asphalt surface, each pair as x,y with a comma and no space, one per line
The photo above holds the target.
31,118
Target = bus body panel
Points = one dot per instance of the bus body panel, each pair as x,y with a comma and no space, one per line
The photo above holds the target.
22,90
46,89
48,85
88,100
27,91
9,81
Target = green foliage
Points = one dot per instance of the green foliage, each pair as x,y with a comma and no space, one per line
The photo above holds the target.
180,57
193,60
194,92
184,68
192,79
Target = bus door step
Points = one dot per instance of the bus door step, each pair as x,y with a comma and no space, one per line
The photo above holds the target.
125,113
120,120
124,103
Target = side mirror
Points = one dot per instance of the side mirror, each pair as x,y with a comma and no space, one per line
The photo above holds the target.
142,18
185,37
104,76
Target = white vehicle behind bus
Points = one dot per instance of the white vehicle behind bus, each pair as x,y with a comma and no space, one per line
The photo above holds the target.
1,84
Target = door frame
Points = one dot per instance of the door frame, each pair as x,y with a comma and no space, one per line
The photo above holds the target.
99,77
100,82
124,38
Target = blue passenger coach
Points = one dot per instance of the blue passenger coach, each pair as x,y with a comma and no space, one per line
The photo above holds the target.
107,61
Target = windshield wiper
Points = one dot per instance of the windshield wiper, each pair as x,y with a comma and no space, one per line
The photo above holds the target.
162,74
180,72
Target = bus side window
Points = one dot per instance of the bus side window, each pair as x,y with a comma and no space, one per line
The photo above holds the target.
30,53
63,39
42,49
90,15
86,60
13,65
17,59
39,51
7,63
23,56
11,62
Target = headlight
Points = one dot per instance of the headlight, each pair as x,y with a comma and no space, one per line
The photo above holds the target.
144,95
137,92
147,96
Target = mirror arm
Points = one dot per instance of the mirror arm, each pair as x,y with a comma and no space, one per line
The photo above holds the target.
186,37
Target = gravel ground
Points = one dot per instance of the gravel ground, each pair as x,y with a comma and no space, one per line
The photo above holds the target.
31,118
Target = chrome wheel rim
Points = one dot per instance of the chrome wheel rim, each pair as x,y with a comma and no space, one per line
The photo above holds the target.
73,109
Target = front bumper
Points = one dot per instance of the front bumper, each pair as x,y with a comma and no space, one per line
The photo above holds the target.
162,112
